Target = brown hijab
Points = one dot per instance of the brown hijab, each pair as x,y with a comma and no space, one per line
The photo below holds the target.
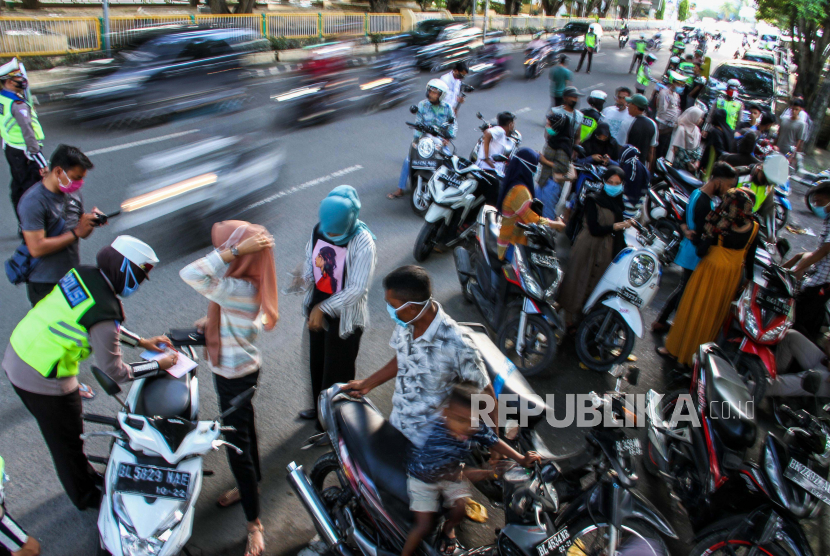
257,268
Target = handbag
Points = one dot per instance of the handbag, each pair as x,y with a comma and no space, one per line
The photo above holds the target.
21,264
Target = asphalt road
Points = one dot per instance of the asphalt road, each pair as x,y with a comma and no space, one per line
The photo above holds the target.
364,151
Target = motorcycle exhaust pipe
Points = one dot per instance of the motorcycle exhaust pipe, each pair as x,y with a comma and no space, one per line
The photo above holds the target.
314,506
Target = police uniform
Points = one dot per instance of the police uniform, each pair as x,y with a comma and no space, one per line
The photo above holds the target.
590,47
640,46
22,136
643,78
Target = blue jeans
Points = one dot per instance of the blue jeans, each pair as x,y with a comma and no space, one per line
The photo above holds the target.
549,194
404,174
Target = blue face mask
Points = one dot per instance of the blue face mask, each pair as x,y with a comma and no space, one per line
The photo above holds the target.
550,131
131,283
679,90
821,212
612,190
393,313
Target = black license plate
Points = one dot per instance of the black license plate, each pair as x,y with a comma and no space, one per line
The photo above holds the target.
629,295
558,543
152,481
773,304
451,180
809,480
424,164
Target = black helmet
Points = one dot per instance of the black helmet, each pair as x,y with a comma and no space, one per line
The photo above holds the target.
557,120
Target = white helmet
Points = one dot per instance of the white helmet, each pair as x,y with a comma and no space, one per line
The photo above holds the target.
136,251
734,84
11,69
776,169
674,60
439,85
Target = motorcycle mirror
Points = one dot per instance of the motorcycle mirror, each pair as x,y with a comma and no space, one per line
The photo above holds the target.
580,150
239,401
811,381
537,206
479,116
413,109
500,158
109,385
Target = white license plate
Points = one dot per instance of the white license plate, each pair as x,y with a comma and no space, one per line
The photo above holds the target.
149,480
809,480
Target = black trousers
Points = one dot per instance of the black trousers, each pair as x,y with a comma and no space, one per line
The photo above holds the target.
332,358
809,310
25,173
674,299
244,466
60,422
638,57
37,291
590,53
663,142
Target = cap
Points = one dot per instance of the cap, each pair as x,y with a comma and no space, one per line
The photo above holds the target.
639,101
10,69
596,93
571,92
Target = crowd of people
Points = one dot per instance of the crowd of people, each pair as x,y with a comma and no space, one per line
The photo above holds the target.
76,311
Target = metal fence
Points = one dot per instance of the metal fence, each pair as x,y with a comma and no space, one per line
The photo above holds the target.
124,28
384,23
523,22
344,24
48,36
295,26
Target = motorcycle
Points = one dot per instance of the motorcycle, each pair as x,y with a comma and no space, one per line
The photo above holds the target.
536,60
588,180
515,137
426,154
759,320
623,40
528,326
393,83
357,497
154,470
667,198
783,206
605,337
733,502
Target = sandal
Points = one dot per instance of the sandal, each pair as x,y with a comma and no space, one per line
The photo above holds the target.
448,546
397,195
664,354
229,498
85,391
254,548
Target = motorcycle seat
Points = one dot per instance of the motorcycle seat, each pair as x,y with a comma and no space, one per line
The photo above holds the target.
491,239
684,178
164,396
729,399
379,449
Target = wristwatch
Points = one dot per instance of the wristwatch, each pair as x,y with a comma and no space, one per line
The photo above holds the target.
234,251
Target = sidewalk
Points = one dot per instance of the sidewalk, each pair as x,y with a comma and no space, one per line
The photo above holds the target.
816,162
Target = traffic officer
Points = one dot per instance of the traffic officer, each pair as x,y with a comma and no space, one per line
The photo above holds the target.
590,48
592,115
729,102
21,131
644,74
82,314
640,52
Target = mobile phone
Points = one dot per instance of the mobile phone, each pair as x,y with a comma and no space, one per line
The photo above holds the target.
101,218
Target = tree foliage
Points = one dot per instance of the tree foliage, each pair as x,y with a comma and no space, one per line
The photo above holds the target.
221,7
459,6
683,10
662,13
552,7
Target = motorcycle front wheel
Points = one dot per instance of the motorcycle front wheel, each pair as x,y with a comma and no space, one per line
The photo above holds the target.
426,241
419,200
591,539
782,216
541,344
723,543
603,339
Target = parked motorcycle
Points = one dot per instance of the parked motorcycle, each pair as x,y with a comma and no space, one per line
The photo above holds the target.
357,496
732,502
426,154
515,137
605,336
668,197
154,471
528,327
588,180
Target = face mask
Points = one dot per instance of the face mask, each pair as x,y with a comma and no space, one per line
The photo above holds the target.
393,313
613,190
22,83
730,93
821,212
679,90
71,187
550,131
571,103
131,283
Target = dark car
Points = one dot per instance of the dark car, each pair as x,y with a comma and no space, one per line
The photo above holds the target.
454,43
426,32
758,84
573,36
181,70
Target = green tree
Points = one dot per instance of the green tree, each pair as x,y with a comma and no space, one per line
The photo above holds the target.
683,10
662,13
708,13
808,22
552,7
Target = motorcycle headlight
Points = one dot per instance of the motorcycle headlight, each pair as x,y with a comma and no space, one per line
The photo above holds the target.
531,285
553,289
641,270
133,545
426,148
747,318
779,331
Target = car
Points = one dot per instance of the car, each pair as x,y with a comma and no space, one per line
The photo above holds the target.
573,35
454,43
426,32
759,84
761,56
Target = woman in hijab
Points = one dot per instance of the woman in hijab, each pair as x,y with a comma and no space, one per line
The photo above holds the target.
239,280
600,147
596,245
745,155
515,197
729,237
555,161
636,180
685,149
719,140
337,308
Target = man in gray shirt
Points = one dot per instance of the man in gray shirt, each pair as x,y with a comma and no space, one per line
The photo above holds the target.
791,130
52,217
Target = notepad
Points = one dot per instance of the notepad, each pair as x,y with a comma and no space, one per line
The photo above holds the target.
184,364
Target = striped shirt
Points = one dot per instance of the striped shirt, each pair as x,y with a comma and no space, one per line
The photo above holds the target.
350,304
238,325
516,208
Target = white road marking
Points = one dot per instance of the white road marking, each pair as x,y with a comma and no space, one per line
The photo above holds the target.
139,143
304,186
522,110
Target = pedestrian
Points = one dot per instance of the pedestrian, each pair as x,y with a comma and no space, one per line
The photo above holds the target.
697,85
641,131
570,98
813,270
600,148
21,131
589,49
794,355
745,152
685,147
729,236
765,132
495,141
13,538
454,80
560,77
635,184
720,140
644,77
639,52
432,354
596,244
701,203
81,316
555,162
340,260
435,470
668,112
791,131
239,279
617,115
751,124
592,115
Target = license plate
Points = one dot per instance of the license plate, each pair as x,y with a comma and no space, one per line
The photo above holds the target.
629,295
557,543
773,304
809,480
630,446
424,164
451,180
152,481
